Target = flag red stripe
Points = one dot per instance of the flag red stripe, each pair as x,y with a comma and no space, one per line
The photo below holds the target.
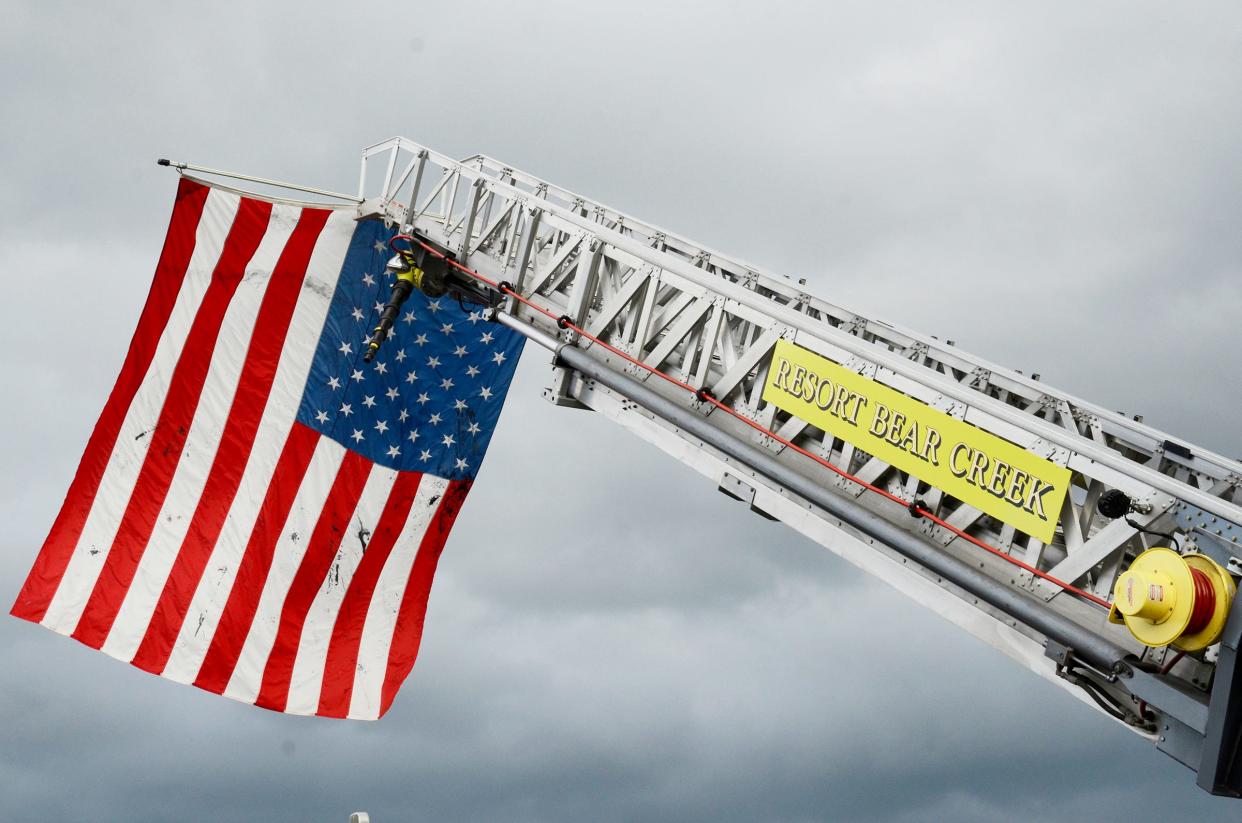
342,658
253,387
243,600
171,430
408,632
325,540
35,596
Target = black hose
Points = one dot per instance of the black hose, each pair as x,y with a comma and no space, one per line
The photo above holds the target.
400,293
1099,697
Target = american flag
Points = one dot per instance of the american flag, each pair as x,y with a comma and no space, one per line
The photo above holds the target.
259,512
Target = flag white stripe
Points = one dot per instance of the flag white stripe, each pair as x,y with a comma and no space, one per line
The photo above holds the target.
381,620
308,666
201,441
307,505
212,592
188,474
126,459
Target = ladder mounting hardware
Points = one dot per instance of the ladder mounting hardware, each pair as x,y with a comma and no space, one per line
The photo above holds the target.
1115,503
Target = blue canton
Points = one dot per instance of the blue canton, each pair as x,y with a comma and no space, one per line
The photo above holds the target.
430,400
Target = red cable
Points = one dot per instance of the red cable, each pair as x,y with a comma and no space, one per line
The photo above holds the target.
397,237
1205,602
565,323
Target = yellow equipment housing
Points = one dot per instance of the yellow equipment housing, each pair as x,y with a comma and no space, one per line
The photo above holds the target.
1156,599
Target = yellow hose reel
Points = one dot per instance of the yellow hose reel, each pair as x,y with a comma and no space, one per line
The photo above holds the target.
1166,598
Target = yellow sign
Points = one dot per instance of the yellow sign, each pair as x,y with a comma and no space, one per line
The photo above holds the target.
975,466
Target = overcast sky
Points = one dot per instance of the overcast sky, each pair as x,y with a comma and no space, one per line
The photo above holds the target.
1056,187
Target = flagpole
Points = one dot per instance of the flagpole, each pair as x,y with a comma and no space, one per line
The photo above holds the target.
261,180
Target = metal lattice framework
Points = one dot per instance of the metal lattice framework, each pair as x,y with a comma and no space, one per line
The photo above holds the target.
712,321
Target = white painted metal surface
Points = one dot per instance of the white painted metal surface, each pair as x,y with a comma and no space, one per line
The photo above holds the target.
712,321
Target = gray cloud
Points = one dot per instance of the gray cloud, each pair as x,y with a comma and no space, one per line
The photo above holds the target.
609,638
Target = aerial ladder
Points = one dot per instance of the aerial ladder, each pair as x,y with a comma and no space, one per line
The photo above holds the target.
1098,552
